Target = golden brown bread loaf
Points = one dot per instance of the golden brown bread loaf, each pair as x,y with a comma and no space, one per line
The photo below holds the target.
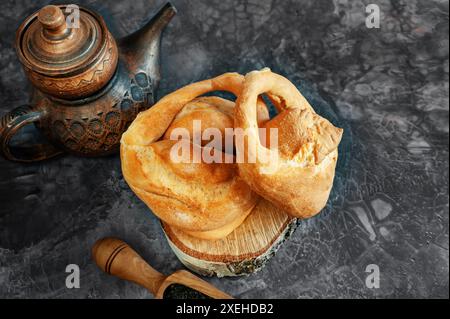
299,175
206,200
209,200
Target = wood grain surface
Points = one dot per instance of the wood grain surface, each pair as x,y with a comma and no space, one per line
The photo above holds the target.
244,251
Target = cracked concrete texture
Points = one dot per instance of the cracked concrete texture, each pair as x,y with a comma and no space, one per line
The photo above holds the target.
387,87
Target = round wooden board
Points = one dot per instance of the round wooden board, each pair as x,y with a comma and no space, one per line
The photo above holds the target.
242,252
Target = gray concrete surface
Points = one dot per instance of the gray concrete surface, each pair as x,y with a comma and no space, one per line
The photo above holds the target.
387,87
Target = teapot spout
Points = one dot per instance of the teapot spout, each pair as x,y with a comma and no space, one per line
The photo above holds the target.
140,50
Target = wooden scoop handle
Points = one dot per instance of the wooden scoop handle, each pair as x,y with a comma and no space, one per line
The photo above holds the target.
115,257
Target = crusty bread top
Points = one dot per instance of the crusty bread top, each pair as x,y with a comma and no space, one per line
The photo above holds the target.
196,197
201,197
300,176
304,135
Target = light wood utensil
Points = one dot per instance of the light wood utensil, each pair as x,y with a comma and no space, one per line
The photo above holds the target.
117,258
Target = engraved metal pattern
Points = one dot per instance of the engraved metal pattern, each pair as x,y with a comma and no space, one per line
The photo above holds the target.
102,132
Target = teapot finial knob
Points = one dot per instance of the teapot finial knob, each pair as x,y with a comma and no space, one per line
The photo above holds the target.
52,19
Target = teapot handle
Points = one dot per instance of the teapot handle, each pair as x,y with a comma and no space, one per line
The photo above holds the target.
10,124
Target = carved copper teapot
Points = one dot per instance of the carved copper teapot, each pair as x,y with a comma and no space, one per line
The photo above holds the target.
87,88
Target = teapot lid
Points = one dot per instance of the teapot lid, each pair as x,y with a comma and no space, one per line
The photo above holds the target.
48,44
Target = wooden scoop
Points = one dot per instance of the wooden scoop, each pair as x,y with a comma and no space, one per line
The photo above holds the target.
115,257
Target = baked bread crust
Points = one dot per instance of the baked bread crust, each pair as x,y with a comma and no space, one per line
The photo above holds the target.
206,200
300,179
210,200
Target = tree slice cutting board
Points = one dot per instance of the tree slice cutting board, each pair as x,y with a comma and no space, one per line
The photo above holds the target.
243,251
